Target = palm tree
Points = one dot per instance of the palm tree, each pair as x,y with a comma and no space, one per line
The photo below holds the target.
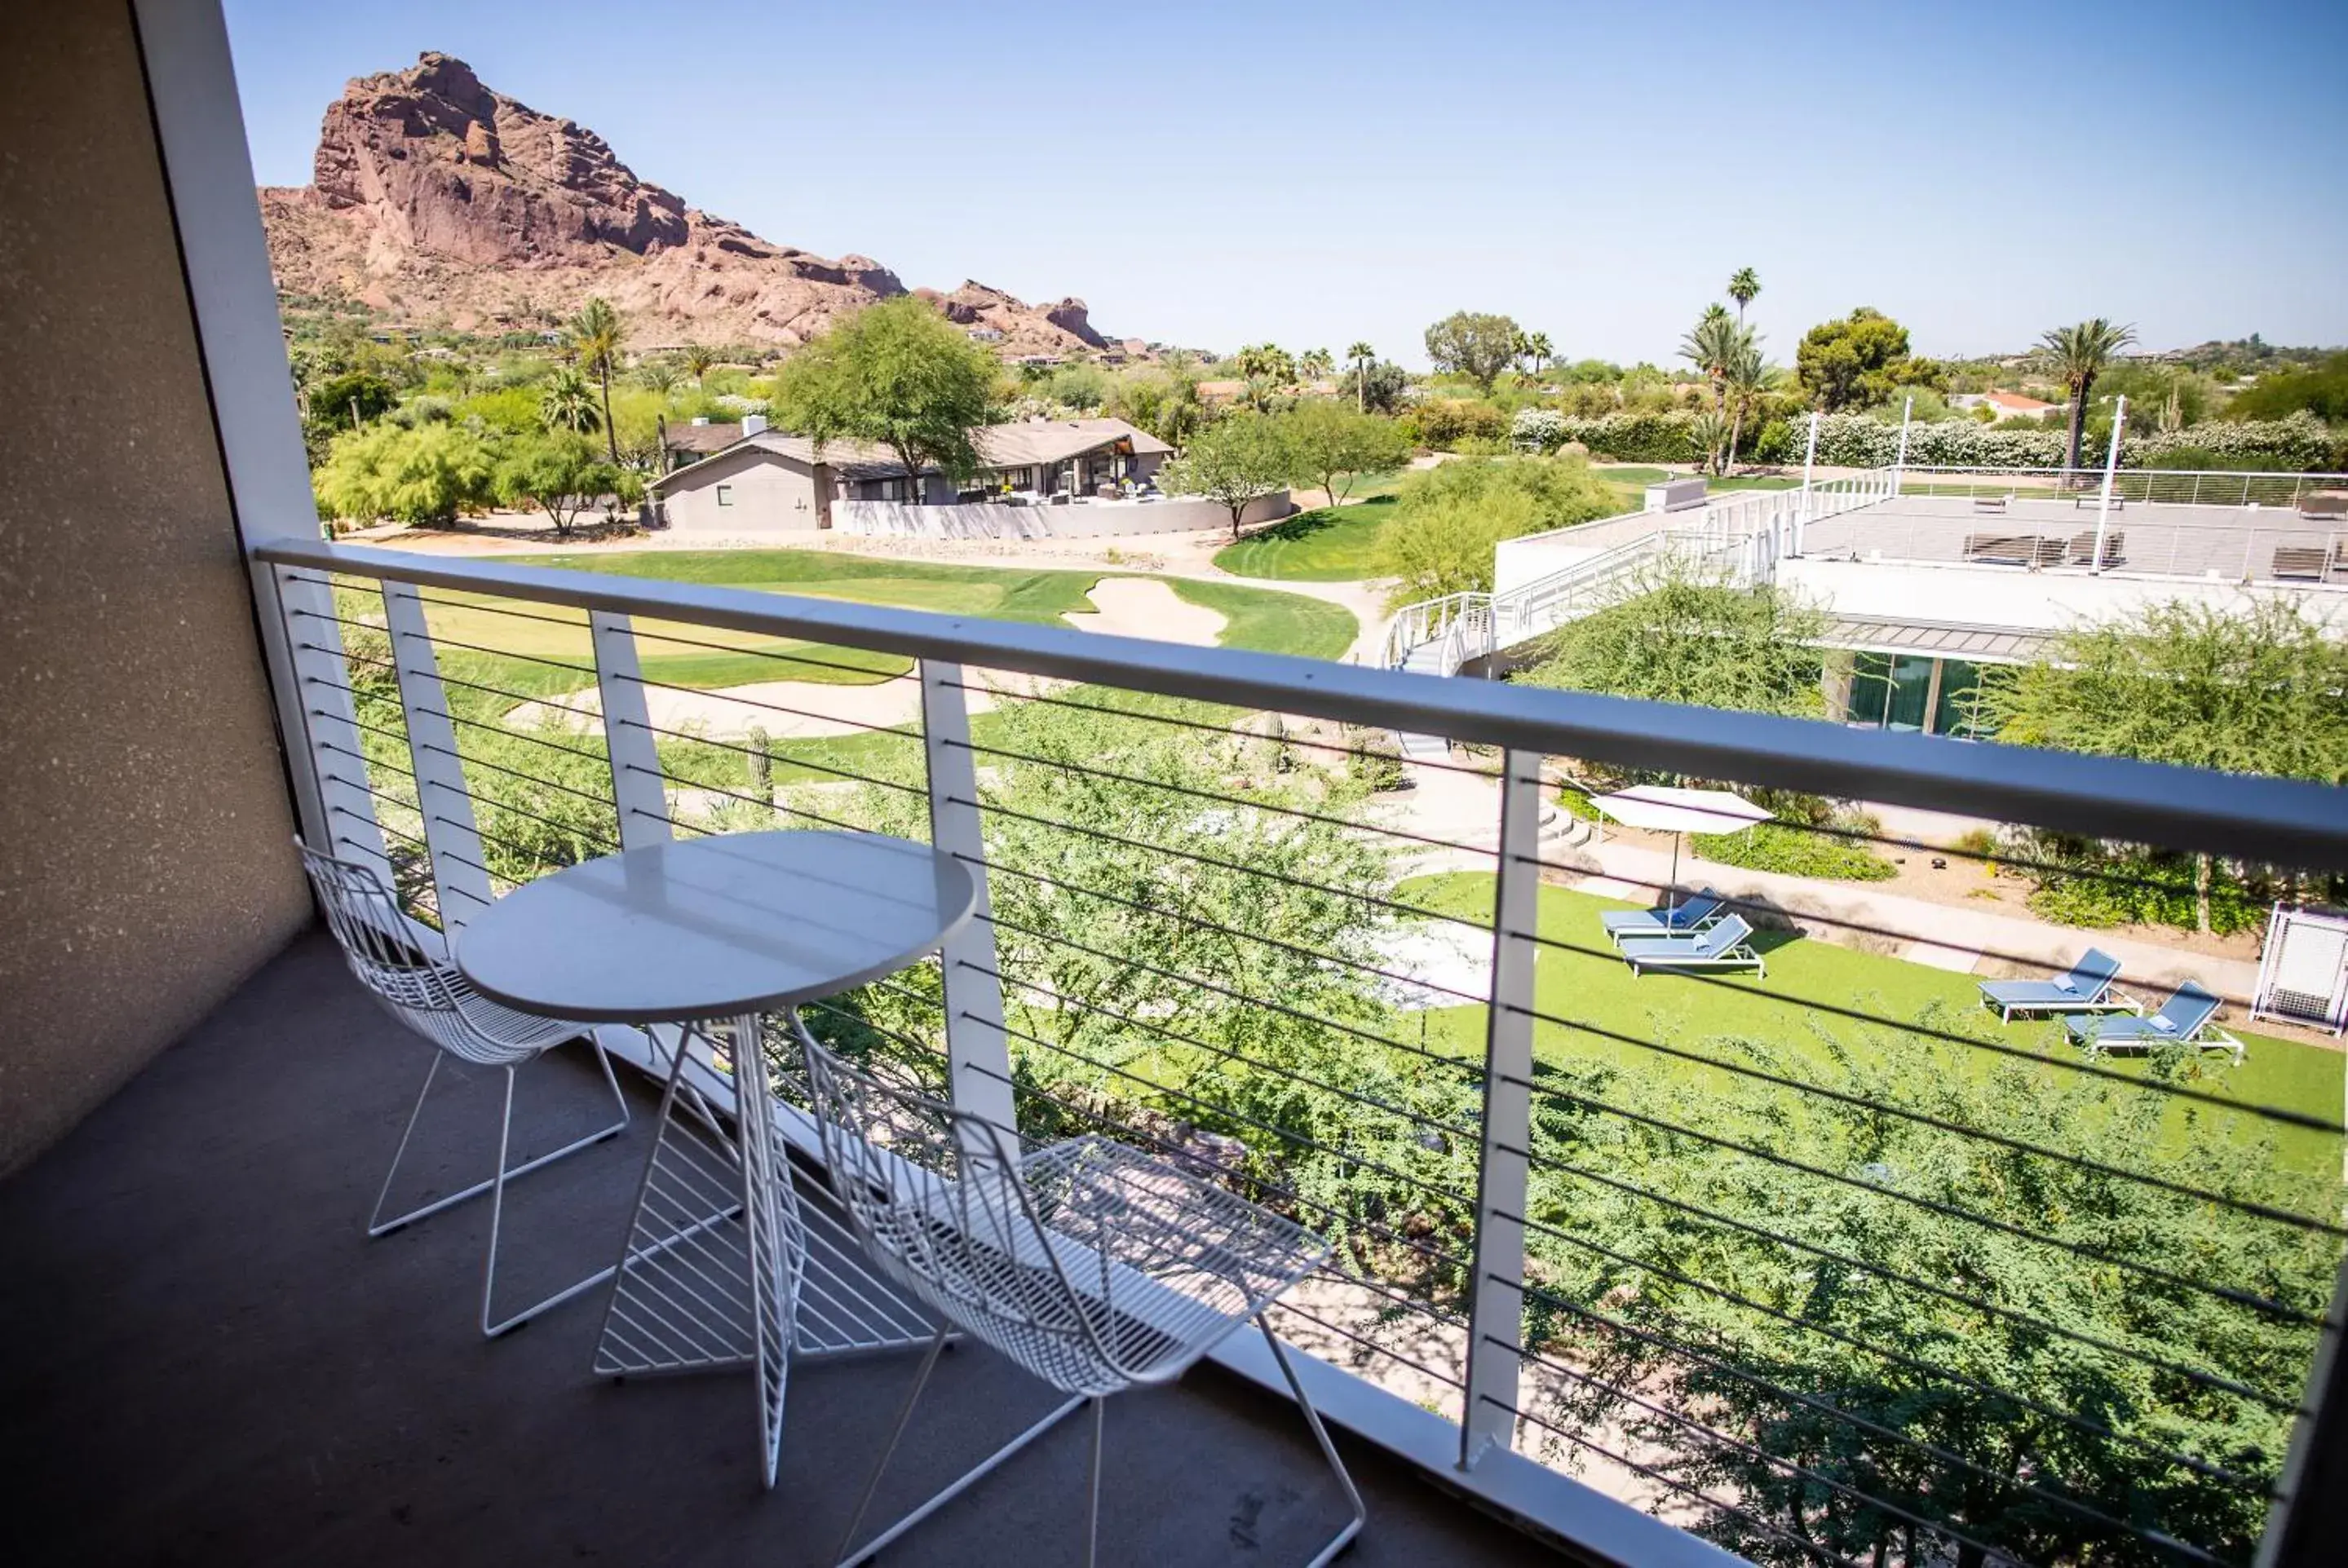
659,376
2080,353
596,337
1315,362
568,402
1743,285
1709,345
1537,344
698,358
1709,431
1361,353
1748,378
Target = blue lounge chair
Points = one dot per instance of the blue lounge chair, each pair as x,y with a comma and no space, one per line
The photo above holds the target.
1692,914
2185,1019
2087,988
1726,944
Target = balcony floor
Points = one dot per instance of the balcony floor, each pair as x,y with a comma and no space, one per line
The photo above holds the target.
207,1361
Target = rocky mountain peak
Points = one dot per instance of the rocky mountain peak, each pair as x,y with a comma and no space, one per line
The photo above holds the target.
434,195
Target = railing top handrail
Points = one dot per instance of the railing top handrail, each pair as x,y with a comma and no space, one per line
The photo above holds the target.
2274,475
2280,821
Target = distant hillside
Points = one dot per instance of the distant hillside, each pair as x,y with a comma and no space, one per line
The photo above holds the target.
434,197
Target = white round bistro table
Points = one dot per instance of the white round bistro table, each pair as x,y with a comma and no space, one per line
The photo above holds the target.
707,935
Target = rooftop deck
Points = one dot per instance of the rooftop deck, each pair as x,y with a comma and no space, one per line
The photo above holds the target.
210,1363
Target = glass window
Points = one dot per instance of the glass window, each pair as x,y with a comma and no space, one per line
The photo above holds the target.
725,494
1952,715
1870,683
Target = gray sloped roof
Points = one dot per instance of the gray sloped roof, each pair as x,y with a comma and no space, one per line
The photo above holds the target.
1028,444
1935,639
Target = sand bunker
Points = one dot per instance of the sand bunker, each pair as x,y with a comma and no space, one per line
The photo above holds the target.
801,710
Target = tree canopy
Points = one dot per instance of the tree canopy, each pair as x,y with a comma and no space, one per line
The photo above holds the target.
1852,362
1449,518
424,475
898,374
1683,635
1476,345
1234,461
562,474
1330,441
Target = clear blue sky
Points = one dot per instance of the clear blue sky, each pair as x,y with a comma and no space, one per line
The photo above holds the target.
1318,171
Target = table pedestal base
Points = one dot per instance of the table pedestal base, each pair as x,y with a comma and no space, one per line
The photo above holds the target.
724,1266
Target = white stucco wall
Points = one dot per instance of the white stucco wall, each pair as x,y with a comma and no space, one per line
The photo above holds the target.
1077,520
770,493
1996,596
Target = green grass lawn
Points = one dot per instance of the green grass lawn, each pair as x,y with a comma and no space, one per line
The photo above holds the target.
1794,1006
518,644
1333,544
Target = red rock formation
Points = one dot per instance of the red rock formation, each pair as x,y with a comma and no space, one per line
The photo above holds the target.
436,197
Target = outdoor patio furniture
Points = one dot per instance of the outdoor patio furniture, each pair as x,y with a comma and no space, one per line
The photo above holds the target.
1090,1263
2003,550
2188,1017
2301,560
434,1001
1726,944
1991,503
2086,987
2082,552
2323,509
1694,914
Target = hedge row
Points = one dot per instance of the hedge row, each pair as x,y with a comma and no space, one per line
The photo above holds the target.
1857,441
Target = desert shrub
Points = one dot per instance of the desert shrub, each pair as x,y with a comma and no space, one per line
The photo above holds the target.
1449,519
1443,422
1480,447
1776,443
1537,430
1798,851
2144,888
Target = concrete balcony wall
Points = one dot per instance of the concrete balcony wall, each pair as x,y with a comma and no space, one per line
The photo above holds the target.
144,818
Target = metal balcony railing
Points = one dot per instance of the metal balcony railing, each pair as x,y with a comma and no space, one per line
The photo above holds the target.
1815,1264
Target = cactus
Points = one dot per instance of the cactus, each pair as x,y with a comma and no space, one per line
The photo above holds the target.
762,766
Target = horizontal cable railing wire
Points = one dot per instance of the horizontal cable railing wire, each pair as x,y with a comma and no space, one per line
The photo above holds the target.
1678,1292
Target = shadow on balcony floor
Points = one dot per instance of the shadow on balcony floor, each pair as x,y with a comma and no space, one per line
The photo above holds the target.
207,1362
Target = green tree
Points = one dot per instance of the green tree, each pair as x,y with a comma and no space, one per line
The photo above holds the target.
897,374
567,402
1710,345
1267,369
1359,356
1381,386
1744,287
1476,345
1855,1345
1540,350
596,334
1851,362
2321,391
1448,519
350,398
2077,356
2253,688
427,474
658,376
698,358
1314,364
559,473
1684,634
1747,379
1233,462
1330,441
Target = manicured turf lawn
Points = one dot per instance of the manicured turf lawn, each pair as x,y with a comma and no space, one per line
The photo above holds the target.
1334,544
520,645
1797,1002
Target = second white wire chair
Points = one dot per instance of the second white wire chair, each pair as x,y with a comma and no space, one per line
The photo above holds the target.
434,999
1093,1266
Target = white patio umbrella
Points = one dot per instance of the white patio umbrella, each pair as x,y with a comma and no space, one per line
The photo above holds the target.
1666,808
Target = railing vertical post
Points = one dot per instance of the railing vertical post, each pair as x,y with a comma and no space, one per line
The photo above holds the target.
1496,1296
639,785
304,642
978,1051
460,880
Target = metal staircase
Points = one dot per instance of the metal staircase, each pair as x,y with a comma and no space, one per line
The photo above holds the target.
1741,539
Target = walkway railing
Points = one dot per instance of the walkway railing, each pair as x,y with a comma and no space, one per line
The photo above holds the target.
2145,486
1820,1264
1742,536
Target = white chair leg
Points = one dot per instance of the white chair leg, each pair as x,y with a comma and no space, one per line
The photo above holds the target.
1344,1537
378,1226
490,1329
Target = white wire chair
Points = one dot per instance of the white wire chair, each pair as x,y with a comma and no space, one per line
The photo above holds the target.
1095,1267
433,999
